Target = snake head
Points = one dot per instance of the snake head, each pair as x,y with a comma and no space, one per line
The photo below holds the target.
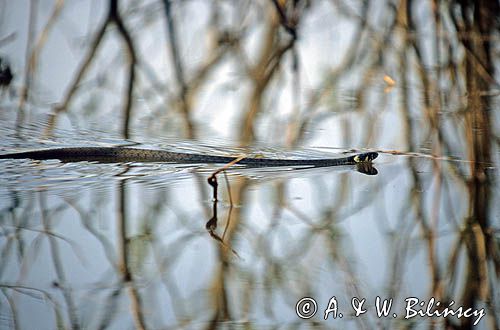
365,157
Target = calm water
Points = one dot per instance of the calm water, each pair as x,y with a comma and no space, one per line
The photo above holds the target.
111,245
147,246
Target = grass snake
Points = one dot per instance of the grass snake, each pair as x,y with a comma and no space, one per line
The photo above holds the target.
127,154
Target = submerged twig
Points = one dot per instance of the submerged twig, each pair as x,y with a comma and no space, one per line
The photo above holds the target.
211,224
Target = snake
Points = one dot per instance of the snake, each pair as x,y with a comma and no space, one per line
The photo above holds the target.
128,154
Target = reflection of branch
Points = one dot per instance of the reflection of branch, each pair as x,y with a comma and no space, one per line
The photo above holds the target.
187,88
353,55
27,74
113,17
75,84
174,47
290,27
231,205
88,222
32,62
58,266
123,255
179,75
415,195
26,290
271,55
131,67
8,38
478,124
219,286
110,309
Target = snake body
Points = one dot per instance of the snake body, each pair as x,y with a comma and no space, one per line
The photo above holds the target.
126,154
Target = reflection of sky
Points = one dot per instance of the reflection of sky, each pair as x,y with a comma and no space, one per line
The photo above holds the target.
62,50
321,47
